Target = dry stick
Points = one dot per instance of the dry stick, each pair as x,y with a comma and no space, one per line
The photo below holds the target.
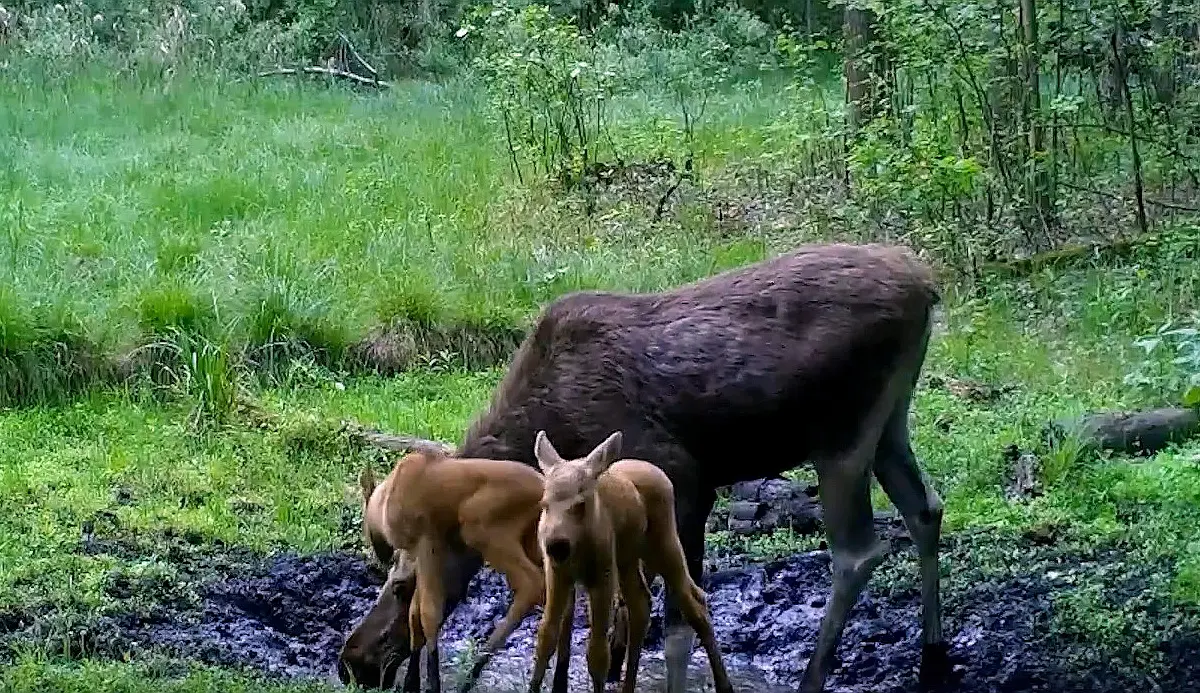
358,57
662,201
314,69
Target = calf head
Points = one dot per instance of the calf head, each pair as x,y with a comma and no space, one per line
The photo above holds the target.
569,498
373,652
381,642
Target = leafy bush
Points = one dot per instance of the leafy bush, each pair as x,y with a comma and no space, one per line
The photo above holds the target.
1171,361
549,85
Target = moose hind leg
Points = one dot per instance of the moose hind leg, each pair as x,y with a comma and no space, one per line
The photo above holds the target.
845,491
919,504
637,620
528,586
618,640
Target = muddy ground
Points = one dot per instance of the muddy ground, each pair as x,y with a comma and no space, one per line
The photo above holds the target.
286,616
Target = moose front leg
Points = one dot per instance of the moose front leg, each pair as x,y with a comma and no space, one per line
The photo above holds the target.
412,675
691,515
562,666
854,550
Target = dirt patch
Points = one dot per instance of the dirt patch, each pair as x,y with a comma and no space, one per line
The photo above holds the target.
286,616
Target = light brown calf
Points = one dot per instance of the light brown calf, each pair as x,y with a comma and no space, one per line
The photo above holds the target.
602,524
427,501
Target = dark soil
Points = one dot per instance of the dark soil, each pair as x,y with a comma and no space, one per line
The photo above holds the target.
287,615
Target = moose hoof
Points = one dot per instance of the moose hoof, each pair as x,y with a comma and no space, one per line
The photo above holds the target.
936,665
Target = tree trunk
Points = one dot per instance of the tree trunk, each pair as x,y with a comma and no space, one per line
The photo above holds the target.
1037,180
860,67
1122,77
1163,77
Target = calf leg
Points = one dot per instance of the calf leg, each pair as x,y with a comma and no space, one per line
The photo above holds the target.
600,605
458,567
637,619
562,665
691,514
412,676
528,586
559,595
618,640
432,602
910,491
845,491
693,604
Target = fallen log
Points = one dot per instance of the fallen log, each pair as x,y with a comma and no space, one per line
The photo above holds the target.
1131,433
390,441
1066,257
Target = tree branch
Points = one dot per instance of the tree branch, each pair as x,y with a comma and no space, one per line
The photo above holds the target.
317,70
392,442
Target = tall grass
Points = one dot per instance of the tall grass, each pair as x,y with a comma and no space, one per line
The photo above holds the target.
282,218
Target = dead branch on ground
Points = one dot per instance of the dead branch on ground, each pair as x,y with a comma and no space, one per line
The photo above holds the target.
392,442
332,72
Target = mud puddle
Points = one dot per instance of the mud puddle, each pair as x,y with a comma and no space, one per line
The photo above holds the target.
286,616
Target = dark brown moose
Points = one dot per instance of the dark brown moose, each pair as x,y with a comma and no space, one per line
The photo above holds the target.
810,356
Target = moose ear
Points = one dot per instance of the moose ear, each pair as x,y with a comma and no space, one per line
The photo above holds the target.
545,453
604,454
404,566
366,482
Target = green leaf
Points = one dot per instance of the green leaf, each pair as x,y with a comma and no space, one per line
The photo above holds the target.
1191,398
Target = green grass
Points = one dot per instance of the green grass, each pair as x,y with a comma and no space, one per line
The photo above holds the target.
35,673
269,212
270,481
278,476
202,218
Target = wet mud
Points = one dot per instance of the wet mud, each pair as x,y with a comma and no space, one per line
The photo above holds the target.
286,616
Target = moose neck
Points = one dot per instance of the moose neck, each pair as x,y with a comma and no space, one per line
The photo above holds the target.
497,435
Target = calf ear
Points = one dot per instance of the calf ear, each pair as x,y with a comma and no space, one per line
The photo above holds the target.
545,453
366,482
604,454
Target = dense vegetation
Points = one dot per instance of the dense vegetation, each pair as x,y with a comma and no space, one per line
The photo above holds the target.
202,269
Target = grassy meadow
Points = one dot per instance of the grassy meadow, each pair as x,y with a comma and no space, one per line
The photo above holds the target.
299,224
274,217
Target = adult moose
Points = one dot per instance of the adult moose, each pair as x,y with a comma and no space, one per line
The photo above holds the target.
809,356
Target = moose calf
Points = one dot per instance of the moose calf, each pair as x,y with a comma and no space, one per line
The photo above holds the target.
601,523
427,499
